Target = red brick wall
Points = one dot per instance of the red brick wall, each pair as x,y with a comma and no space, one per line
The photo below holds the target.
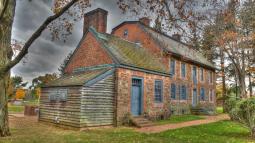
90,53
135,33
188,81
124,83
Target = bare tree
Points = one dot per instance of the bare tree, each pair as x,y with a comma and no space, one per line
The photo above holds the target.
7,11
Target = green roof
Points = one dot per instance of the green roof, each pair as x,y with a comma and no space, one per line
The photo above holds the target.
77,79
178,48
129,53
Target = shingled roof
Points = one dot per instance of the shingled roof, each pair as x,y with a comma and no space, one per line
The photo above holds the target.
77,79
178,48
128,53
172,45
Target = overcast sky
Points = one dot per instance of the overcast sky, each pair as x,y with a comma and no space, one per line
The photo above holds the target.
45,55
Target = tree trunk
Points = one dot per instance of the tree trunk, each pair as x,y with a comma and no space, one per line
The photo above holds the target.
5,57
222,65
253,133
4,124
242,86
242,77
250,84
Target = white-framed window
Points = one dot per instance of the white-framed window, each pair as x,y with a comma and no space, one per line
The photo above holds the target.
194,74
172,67
202,94
173,91
158,91
201,74
210,76
183,70
183,92
211,95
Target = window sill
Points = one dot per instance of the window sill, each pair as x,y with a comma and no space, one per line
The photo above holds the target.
181,101
158,104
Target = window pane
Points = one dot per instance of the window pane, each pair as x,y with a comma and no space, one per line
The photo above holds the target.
183,93
173,91
202,94
210,77
183,69
158,91
172,67
211,95
125,33
202,74
194,76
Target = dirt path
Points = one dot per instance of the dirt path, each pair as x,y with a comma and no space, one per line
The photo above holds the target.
161,128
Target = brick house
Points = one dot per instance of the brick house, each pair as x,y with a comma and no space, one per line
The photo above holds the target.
134,71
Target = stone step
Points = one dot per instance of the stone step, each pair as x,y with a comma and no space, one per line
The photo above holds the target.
142,122
197,111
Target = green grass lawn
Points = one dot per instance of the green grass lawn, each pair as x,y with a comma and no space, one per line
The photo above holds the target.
179,119
15,108
31,102
20,108
219,110
220,132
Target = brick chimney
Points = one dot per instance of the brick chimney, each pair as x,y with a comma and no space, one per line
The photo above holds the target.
177,37
96,18
145,20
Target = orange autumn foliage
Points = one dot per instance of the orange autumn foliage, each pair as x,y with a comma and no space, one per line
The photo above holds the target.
20,93
38,92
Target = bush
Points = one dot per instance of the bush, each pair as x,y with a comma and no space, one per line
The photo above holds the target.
127,120
243,111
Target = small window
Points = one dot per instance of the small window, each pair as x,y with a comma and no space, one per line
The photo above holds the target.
211,77
183,92
62,97
194,75
125,34
183,70
158,91
201,74
202,94
211,95
58,95
52,97
172,67
173,91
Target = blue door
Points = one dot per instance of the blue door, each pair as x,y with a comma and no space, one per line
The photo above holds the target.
194,97
136,97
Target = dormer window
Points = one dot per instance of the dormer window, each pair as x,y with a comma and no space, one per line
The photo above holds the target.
125,34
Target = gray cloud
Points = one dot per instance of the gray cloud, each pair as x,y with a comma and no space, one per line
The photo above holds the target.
45,55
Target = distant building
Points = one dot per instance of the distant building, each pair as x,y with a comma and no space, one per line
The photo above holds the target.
133,71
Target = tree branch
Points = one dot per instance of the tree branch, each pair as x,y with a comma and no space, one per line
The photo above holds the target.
6,2
35,35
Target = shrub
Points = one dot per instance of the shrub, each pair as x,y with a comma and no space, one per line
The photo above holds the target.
127,120
243,111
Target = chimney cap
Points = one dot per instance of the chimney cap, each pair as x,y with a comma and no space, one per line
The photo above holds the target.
96,10
176,36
